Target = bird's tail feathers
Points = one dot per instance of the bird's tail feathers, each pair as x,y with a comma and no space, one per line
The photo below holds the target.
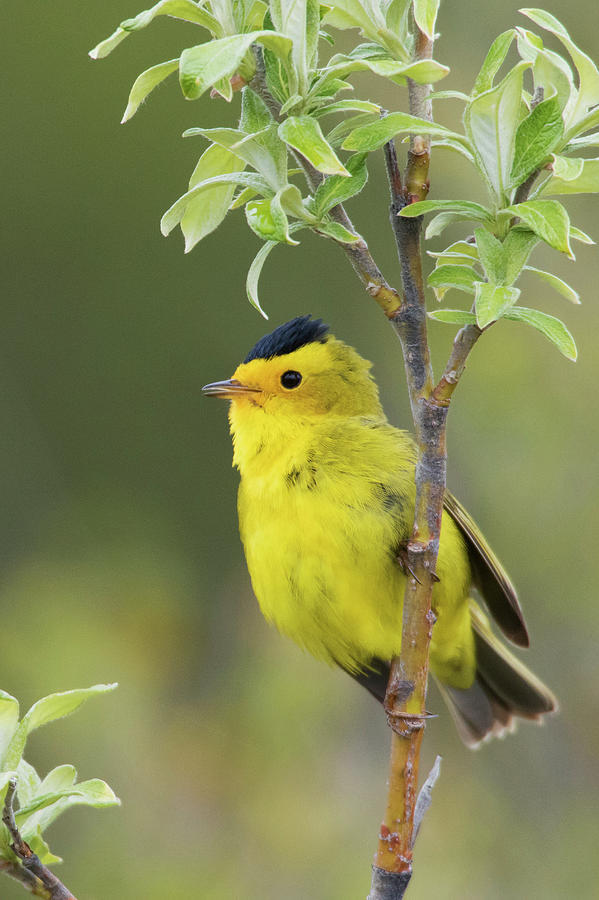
504,688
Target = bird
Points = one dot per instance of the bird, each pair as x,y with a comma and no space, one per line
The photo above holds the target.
326,506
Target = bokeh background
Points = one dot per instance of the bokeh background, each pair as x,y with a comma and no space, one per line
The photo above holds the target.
246,769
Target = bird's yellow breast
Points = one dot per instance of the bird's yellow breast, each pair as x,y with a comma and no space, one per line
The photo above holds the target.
323,508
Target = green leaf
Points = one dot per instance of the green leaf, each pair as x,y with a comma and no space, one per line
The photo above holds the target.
588,74
553,329
60,778
242,197
179,9
581,143
263,151
556,283
206,210
548,219
447,276
493,61
304,135
176,212
587,182
491,120
517,247
9,718
425,16
266,220
253,276
492,255
453,316
338,188
450,95
465,208
343,105
202,66
492,302
145,83
459,250
48,709
95,793
337,232
566,169
440,222
537,135
577,235
300,21
372,136
28,783
255,115
550,71
339,132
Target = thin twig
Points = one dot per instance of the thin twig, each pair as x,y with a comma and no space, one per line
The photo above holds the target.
29,869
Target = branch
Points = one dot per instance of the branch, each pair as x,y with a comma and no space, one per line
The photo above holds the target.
29,869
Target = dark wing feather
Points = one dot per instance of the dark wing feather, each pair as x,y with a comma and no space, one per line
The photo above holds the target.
489,576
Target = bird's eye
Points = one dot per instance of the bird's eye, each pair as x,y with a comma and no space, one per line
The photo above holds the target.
291,379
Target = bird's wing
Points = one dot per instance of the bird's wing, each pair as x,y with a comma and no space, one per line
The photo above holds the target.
489,576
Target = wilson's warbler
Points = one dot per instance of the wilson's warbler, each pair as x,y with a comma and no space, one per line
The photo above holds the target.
326,502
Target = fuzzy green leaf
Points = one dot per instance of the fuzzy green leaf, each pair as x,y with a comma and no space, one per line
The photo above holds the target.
263,151
94,792
447,276
253,276
551,72
577,235
425,15
586,182
176,212
491,254
206,210
491,120
202,66
303,133
9,718
338,188
548,219
588,74
337,232
517,247
145,83
453,316
343,105
465,208
48,709
493,61
178,9
28,783
553,329
556,283
537,135
372,136
440,222
459,250
492,302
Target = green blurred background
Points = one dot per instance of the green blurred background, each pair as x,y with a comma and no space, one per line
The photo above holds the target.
246,769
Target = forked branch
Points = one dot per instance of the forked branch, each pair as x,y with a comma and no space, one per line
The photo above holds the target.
27,868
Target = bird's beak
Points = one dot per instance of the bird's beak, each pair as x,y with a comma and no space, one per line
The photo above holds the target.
228,389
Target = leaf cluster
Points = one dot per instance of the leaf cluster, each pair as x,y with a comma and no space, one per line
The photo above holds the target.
523,133
523,136
248,166
41,801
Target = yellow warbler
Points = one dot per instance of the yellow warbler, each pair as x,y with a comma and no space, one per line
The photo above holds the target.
326,504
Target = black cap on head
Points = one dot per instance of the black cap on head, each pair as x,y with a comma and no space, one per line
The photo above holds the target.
289,337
